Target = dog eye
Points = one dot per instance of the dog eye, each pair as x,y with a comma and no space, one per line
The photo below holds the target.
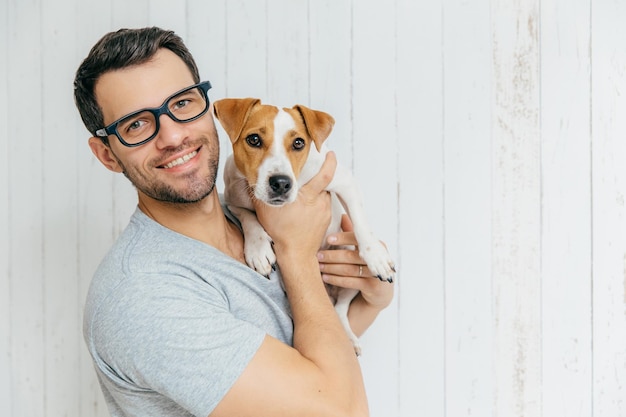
298,144
254,141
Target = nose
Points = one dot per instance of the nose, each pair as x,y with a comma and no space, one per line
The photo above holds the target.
280,184
171,133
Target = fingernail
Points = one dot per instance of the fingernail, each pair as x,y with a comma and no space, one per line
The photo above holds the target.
320,256
332,239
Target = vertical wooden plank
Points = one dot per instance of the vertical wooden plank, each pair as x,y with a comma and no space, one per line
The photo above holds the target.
516,208
467,208
329,70
375,167
566,208
170,15
206,39
25,207
61,314
94,200
246,49
609,213
287,52
6,388
419,92
129,14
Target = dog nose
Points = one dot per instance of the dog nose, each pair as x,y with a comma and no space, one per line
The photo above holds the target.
280,184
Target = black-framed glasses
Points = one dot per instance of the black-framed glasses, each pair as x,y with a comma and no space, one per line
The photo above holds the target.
142,126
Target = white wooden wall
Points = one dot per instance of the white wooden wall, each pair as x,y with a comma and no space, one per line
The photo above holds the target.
489,138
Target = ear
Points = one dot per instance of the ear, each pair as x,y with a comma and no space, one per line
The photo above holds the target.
233,113
105,154
318,124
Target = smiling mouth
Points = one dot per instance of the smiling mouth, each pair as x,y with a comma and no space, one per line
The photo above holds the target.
180,160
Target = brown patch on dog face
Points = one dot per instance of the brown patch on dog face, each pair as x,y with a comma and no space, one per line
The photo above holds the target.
255,141
296,142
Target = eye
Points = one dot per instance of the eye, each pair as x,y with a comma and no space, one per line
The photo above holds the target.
254,140
181,103
137,124
298,144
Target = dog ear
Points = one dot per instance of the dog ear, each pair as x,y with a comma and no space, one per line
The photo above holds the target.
318,124
233,113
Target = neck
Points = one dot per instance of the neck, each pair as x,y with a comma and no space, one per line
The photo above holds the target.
204,221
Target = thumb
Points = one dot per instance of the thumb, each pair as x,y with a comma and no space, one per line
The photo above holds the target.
320,181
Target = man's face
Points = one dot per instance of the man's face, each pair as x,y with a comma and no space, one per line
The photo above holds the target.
180,164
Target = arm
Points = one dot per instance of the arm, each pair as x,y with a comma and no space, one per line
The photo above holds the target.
320,375
342,267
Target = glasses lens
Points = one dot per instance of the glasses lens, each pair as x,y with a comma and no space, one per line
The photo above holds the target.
137,127
188,104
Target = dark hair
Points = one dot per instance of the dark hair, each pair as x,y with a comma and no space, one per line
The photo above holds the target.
121,49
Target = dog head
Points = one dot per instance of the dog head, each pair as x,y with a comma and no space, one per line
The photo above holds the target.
270,144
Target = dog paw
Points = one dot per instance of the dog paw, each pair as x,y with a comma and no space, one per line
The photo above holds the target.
259,253
378,260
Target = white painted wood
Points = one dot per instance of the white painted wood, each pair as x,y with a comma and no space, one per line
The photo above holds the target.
419,92
61,319
516,206
329,73
609,215
168,14
488,139
206,39
6,318
566,254
25,190
246,49
375,167
467,208
287,59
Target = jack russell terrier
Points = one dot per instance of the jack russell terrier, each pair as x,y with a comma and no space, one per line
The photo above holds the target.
276,151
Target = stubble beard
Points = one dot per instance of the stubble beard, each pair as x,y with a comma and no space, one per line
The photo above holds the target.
196,190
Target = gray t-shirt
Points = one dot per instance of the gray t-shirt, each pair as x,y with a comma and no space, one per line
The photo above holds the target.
172,322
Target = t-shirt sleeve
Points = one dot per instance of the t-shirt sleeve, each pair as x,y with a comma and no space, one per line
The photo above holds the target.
176,341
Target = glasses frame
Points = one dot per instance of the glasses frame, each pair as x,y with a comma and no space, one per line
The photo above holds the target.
111,129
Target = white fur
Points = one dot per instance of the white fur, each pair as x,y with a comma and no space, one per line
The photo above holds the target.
277,161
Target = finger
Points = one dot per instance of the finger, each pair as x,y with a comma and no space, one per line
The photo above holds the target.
340,256
346,282
325,175
346,270
342,239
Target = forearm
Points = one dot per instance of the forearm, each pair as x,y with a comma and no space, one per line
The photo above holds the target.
318,333
362,314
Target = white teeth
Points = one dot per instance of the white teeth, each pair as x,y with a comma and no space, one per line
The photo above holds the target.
181,160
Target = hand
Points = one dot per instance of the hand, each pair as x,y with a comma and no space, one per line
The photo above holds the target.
345,268
300,227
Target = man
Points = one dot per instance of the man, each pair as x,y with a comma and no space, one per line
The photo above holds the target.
175,321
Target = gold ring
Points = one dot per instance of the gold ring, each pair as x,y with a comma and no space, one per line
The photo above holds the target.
360,270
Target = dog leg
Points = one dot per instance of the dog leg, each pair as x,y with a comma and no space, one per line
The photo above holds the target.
258,249
344,297
371,249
